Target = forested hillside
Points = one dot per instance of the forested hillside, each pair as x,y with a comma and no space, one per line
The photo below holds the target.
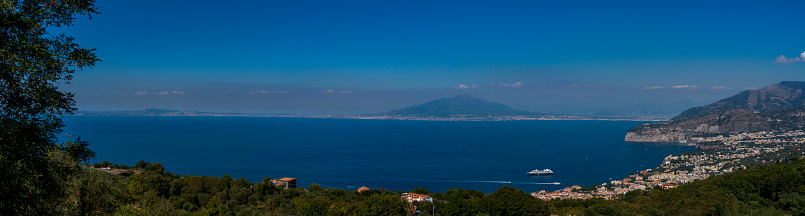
776,189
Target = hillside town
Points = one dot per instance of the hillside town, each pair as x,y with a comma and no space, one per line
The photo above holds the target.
724,154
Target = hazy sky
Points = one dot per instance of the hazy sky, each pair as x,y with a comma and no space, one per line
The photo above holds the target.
371,56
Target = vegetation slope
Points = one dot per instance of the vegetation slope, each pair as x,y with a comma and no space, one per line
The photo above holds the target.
776,189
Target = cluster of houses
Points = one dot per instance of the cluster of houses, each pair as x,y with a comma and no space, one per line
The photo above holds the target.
680,169
410,198
413,197
566,193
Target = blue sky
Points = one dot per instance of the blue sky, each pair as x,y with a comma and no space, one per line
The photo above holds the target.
372,56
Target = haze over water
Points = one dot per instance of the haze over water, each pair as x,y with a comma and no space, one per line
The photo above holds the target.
397,155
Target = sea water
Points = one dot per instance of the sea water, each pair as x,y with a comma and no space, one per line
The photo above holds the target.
394,154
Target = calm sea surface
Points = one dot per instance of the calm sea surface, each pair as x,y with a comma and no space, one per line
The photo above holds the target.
397,155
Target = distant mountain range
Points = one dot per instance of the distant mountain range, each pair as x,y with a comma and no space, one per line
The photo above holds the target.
151,112
460,105
776,107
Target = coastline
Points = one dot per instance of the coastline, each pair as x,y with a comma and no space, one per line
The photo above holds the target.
648,118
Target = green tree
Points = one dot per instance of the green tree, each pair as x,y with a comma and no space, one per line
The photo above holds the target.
460,202
312,206
510,201
265,188
241,183
141,165
314,187
420,190
98,193
384,205
214,202
32,66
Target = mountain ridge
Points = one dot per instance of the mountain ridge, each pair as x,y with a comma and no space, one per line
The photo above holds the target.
460,105
776,107
781,96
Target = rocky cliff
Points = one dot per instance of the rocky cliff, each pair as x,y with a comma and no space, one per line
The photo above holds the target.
792,119
722,122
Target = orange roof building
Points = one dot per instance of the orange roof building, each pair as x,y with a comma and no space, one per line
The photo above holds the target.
284,182
364,188
411,197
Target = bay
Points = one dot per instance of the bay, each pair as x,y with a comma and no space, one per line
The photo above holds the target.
393,154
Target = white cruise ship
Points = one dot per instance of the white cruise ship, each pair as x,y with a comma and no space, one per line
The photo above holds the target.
541,172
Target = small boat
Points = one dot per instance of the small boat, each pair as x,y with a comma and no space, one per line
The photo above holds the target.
541,172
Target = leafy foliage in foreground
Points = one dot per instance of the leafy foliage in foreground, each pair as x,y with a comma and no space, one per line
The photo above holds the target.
33,63
764,190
